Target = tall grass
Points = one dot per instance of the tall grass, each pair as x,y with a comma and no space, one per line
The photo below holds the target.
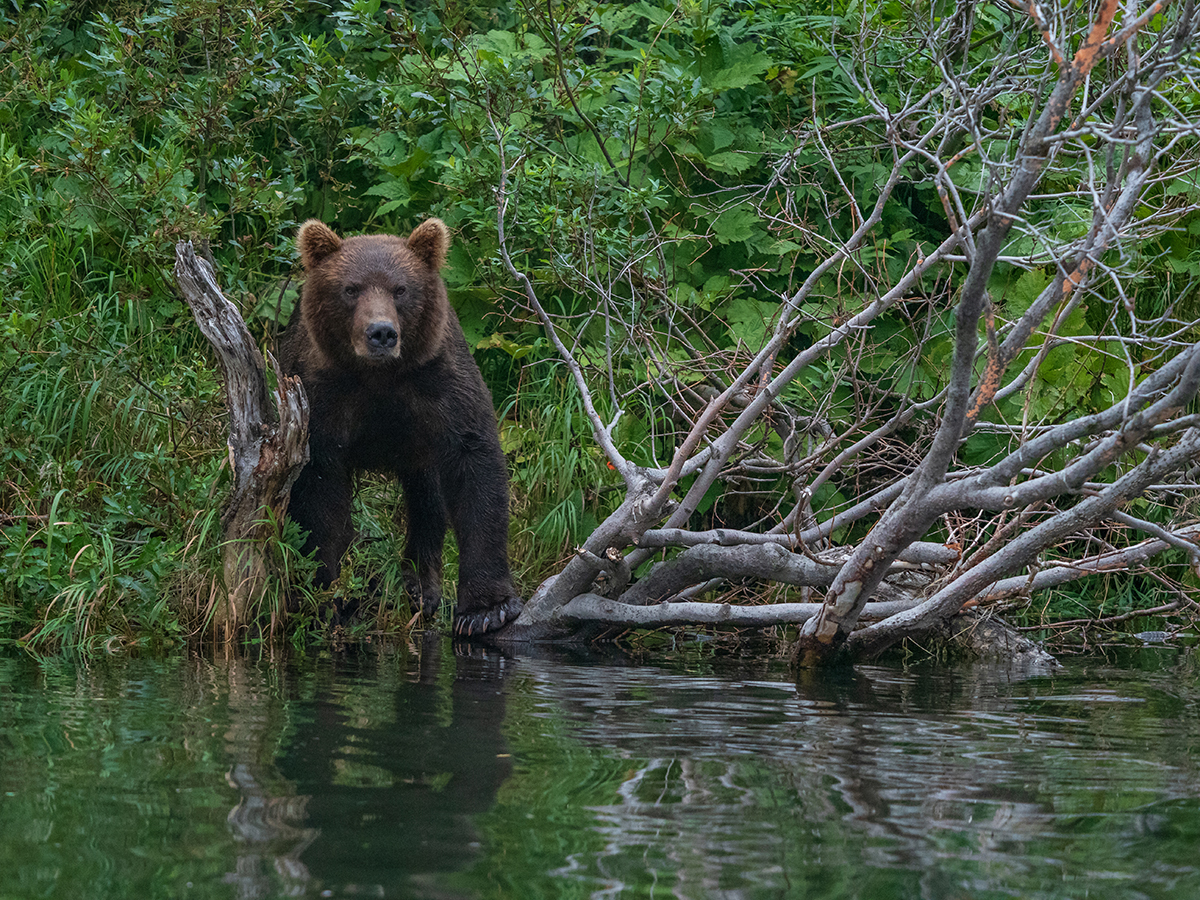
117,136
561,484
98,469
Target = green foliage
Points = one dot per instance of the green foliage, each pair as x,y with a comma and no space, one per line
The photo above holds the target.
561,481
637,140
126,128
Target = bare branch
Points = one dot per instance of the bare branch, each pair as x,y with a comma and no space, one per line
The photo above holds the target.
918,415
592,608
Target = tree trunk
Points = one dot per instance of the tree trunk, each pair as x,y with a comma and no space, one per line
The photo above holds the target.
268,443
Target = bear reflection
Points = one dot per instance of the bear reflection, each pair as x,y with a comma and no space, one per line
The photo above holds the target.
394,800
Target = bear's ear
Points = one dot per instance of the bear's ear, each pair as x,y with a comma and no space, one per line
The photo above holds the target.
430,242
316,241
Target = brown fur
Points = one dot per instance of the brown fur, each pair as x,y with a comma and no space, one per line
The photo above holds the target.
392,386
333,264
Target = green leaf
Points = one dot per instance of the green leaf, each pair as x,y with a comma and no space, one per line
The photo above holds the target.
720,136
737,224
743,66
1021,295
731,162
1184,184
397,193
782,247
500,342
749,320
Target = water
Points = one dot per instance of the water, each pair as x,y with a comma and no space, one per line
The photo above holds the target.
410,772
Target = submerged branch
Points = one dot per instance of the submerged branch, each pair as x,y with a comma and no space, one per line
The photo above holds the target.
593,608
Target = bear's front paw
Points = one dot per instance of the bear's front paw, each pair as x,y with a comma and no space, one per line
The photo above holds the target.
427,599
481,621
430,604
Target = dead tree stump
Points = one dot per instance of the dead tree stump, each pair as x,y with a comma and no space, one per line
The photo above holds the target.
268,442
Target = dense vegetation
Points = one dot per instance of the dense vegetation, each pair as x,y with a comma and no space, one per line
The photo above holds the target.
667,164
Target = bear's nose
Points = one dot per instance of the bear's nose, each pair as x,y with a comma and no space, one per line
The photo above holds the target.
381,335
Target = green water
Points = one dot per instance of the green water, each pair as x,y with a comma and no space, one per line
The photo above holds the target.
412,772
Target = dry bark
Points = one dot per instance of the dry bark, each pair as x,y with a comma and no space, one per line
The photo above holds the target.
268,443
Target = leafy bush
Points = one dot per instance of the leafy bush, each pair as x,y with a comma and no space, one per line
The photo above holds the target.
666,158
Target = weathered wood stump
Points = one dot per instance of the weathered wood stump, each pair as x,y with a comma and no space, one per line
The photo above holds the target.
268,442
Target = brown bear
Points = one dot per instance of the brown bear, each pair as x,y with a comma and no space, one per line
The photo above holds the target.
392,386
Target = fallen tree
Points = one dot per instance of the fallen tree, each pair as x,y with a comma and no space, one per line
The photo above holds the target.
1000,398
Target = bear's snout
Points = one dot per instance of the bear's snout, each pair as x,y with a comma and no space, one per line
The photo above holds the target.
376,334
381,336
378,340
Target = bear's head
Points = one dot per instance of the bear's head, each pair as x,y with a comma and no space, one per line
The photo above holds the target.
375,300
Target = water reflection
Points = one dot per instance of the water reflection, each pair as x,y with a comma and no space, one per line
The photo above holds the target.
409,771
879,783
398,762
267,828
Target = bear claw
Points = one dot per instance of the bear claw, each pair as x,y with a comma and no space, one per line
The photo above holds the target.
485,620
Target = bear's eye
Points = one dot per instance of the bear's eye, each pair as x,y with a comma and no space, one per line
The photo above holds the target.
352,290
398,292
